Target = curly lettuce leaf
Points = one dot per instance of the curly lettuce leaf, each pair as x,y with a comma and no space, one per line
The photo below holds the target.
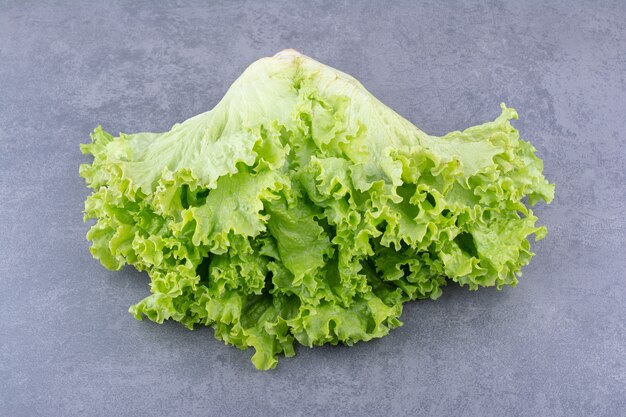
302,209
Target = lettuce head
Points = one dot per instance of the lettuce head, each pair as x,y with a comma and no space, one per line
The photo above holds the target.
302,209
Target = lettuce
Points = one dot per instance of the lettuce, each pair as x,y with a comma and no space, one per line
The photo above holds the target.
303,209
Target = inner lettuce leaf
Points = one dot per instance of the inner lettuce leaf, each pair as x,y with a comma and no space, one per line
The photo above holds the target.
303,209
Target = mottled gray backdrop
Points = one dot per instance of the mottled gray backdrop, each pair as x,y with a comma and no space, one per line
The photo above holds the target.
553,346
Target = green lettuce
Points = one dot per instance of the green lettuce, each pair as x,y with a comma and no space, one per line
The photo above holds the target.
303,209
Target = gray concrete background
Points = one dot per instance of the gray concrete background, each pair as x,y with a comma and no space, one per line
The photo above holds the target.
553,346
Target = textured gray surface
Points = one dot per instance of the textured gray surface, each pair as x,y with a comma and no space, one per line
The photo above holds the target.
555,345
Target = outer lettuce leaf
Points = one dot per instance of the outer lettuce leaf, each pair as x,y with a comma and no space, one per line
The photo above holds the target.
302,209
